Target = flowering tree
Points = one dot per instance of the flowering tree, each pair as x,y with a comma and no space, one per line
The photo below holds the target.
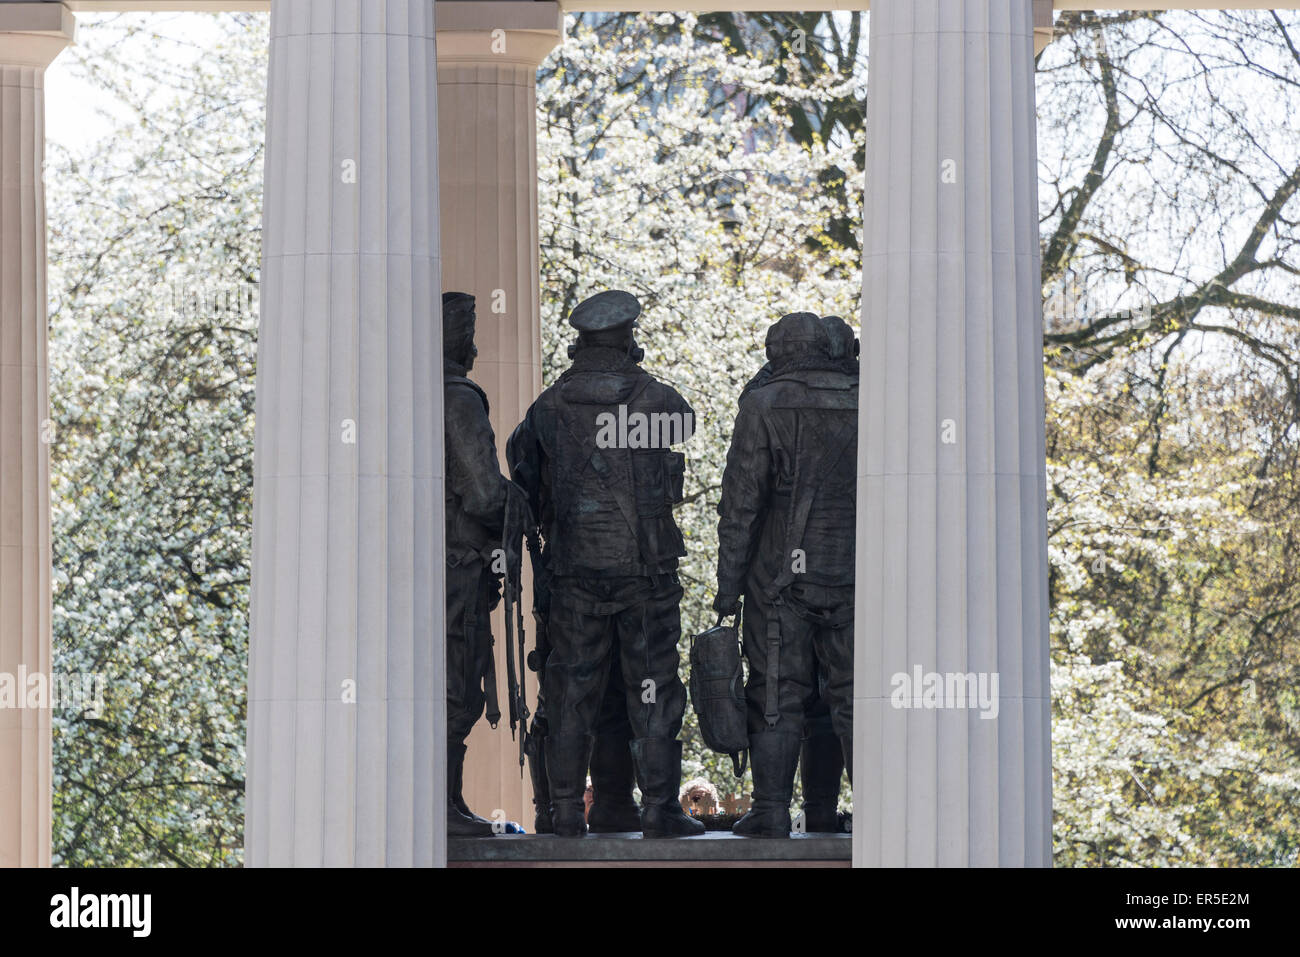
1168,198
154,250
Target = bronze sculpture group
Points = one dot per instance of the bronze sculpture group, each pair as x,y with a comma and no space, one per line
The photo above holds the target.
595,504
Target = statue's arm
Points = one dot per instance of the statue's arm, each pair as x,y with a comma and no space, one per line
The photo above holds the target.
473,472
745,487
524,459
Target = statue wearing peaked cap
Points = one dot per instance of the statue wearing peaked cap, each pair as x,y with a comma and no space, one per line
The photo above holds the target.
603,487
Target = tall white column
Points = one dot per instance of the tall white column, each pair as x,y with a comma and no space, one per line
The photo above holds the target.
31,36
952,554
347,703
488,55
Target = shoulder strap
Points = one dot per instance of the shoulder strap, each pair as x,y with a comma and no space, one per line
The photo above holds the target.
461,380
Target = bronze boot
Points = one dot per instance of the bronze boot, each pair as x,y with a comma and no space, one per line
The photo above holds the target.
659,768
461,821
772,757
613,775
536,755
821,764
567,757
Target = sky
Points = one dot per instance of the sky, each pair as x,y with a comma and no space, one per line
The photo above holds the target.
73,106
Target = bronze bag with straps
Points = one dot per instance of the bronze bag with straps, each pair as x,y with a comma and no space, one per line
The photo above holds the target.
718,692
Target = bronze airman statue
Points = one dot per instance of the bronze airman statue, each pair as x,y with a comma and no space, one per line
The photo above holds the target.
594,455
786,543
476,493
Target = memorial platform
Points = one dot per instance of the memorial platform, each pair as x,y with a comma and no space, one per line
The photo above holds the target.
712,849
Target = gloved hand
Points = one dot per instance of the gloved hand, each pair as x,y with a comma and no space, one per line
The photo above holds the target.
726,605
519,500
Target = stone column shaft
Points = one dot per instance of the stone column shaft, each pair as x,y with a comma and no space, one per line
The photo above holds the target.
487,126
952,555
346,668
31,36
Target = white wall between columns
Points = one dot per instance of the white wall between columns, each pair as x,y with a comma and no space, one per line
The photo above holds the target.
31,36
487,163
348,536
952,544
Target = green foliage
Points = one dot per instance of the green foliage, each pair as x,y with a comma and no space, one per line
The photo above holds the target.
1168,181
1173,626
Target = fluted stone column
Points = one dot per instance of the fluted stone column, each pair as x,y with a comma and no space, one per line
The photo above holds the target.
346,675
952,556
488,55
31,36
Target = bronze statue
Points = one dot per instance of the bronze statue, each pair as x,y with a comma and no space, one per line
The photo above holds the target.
786,543
614,808
476,496
594,454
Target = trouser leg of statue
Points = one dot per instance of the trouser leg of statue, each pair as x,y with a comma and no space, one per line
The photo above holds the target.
641,618
833,647
535,751
821,764
567,758
806,650
828,743
648,634
613,776
577,671
772,759
613,809
469,643
774,748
